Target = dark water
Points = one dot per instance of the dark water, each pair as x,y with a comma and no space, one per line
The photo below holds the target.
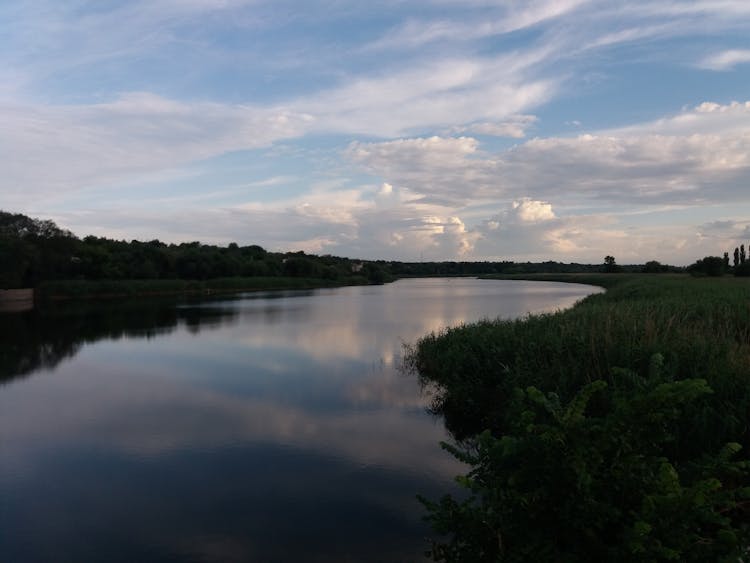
264,427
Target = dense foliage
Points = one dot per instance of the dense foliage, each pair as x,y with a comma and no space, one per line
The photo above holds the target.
34,251
614,431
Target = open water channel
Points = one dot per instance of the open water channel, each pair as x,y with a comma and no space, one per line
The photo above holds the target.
269,426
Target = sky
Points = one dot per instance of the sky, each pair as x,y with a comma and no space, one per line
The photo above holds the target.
400,130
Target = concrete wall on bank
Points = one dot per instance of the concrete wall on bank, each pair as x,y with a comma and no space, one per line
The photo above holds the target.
12,300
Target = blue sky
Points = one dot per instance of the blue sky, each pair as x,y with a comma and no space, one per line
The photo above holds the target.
439,129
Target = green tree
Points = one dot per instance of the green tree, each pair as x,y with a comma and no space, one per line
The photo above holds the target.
708,266
743,270
609,264
652,267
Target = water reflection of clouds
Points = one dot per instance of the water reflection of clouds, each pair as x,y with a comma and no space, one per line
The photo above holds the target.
276,380
363,324
147,417
286,424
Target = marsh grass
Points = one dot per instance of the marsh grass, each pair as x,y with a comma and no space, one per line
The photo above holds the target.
614,431
700,326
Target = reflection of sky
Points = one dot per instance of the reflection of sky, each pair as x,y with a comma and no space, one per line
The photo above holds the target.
293,412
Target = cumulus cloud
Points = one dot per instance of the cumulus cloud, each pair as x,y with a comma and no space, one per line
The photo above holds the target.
531,211
729,232
451,167
699,156
586,237
434,197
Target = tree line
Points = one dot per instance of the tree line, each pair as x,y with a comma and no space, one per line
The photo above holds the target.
33,251
720,265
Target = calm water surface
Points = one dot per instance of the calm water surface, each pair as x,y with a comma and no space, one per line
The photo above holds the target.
261,427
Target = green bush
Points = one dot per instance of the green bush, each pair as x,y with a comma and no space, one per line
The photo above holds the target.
742,270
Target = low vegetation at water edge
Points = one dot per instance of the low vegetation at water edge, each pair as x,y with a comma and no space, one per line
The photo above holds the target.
613,431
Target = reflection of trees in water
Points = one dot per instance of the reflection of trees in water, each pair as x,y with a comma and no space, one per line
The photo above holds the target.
43,338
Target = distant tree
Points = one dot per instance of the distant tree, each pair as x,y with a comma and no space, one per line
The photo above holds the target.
708,266
254,252
375,273
609,264
742,254
652,267
17,225
300,267
736,256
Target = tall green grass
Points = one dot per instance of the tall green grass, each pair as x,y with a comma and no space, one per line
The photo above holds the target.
700,326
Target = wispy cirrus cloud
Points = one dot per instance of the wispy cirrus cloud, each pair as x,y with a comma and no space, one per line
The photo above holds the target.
55,149
504,18
726,60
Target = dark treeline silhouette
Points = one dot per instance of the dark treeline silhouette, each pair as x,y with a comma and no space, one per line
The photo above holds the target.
33,251
718,266
404,269
43,337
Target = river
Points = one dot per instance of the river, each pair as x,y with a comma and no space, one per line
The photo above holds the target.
268,426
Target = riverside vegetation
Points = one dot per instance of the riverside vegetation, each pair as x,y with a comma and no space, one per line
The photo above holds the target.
37,253
613,431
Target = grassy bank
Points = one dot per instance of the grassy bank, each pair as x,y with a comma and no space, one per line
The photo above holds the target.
70,289
621,405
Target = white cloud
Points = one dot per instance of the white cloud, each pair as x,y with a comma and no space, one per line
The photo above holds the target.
696,157
726,60
511,16
435,167
532,211
425,96
53,149
515,127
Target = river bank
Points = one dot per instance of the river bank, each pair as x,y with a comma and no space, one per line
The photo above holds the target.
637,397
102,289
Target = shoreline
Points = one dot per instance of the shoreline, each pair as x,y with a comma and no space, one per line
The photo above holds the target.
113,289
